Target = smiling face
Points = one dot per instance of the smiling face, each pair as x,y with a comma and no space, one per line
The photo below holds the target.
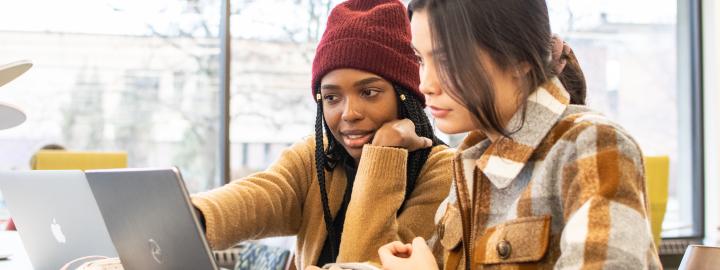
355,105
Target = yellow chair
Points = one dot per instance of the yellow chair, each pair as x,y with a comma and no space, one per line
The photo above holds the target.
657,175
72,160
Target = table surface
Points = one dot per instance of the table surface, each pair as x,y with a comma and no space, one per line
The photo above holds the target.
10,243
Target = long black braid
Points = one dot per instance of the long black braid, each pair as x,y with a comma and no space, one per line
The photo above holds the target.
409,107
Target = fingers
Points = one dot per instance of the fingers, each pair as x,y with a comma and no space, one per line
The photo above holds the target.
420,143
405,123
419,241
392,253
428,142
403,251
420,256
400,133
387,249
420,248
396,248
389,261
386,255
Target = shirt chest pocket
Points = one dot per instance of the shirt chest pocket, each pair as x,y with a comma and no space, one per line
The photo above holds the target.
520,240
450,230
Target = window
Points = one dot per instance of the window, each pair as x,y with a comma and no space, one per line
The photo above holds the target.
135,76
638,62
144,77
271,105
637,58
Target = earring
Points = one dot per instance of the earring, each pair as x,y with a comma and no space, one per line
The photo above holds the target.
402,97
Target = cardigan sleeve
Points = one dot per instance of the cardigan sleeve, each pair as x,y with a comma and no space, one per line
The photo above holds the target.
264,204
372,218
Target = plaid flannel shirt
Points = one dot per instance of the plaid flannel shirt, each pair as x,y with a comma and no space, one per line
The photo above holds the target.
566,190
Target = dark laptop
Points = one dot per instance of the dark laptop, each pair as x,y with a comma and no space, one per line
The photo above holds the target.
150,219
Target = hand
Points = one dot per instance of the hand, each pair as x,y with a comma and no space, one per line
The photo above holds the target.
400,133
397,249
396,256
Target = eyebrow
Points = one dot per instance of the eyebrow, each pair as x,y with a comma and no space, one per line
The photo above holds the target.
329,87
359,83
367,81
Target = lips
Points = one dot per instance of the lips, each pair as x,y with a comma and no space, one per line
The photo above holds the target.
438,112
356,138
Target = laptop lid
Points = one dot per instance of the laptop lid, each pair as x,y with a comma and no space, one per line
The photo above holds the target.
150,219
56,216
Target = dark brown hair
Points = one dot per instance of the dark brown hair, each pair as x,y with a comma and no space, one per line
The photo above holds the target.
510,32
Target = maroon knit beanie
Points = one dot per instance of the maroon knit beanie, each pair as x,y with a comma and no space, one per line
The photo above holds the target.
369,35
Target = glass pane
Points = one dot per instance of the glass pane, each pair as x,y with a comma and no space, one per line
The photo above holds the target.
630,59
129,75
271,105
630,54
273,44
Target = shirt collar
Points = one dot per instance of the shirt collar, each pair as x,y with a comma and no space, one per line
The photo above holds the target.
503,159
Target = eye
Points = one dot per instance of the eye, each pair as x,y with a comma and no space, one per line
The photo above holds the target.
419,60
369,92
330,98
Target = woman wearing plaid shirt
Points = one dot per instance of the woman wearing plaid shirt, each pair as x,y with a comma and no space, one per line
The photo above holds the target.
541,181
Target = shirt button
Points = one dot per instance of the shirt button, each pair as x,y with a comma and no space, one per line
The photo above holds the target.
504,249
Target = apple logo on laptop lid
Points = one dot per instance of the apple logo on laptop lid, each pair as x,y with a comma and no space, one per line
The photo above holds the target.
57,232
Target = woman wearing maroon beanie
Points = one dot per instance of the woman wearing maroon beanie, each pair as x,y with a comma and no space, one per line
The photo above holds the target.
373,173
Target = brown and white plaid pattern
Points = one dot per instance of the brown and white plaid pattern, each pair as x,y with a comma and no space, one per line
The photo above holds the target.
566,190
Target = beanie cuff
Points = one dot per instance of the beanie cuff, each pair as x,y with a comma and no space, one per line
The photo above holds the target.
368,56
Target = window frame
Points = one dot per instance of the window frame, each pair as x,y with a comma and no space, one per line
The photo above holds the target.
671,248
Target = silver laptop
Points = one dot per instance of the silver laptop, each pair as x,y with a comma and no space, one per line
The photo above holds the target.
150,219
56,216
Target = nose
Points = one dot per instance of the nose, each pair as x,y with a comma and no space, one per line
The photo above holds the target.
428,80
352,111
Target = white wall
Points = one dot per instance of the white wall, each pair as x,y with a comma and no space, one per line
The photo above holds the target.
711,32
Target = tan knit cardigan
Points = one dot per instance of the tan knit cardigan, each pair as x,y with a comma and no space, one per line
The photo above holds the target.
285,200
